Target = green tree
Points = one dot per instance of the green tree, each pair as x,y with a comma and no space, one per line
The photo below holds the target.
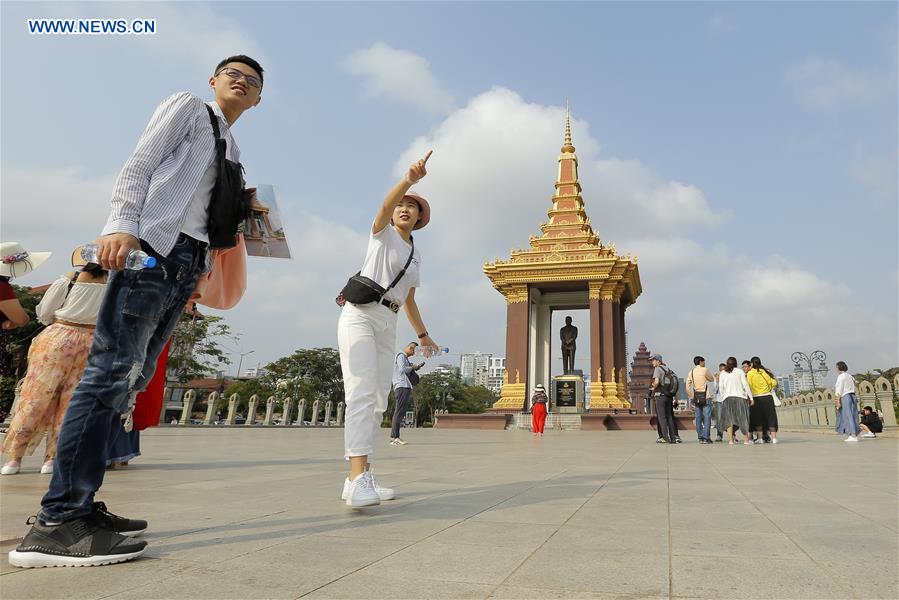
14,345
197,346
447,391
476,400
310,373
14,353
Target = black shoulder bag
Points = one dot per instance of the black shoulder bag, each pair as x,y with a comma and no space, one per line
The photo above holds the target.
228,207
362,290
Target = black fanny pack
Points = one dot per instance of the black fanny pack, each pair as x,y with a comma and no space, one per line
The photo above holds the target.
229,206
362,290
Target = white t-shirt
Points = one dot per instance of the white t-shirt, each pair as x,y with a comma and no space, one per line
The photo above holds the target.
387,253
197,217
845,384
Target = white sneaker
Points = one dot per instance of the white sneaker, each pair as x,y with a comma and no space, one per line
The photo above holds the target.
774,441
47,468
394,443
362,492
869,434
851,438
346,488
10,468
384,493
400,442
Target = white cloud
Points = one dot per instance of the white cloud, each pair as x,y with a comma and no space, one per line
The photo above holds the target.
719,24
400,76
779,284
826,83
495,162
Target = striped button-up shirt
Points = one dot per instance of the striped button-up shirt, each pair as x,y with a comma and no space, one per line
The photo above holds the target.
157,183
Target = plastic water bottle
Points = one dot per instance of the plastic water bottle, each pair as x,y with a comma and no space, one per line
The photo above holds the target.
137,259
429,351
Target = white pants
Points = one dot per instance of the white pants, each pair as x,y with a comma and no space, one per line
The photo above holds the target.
366,337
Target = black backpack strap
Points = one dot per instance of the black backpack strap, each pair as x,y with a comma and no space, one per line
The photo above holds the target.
396,279
215,122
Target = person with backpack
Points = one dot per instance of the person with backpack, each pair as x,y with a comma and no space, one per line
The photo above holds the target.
664,389
405,377
179,194
697,390
734,388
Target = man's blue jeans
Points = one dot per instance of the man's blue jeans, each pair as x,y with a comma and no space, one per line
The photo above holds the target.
703,417
137,317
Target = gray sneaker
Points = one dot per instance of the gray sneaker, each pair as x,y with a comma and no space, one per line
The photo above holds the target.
84,542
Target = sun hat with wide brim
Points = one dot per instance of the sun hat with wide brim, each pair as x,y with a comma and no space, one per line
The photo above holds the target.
424,209
15,261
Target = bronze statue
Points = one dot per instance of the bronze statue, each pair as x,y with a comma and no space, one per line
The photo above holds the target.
569,335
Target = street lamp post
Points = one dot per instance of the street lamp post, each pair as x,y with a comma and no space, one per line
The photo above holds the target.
799,358
240,363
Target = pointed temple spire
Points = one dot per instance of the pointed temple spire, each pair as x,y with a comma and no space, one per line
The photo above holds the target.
567,148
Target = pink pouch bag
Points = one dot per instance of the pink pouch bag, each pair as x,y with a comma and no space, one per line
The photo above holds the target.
224,285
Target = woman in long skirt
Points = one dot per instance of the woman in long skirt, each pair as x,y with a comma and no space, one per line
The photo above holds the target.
56,360
763,413
734,388
366,332
847,404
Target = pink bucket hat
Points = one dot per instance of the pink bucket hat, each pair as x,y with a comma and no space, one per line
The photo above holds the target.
424,208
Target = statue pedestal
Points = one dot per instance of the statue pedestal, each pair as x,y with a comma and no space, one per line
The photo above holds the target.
568,393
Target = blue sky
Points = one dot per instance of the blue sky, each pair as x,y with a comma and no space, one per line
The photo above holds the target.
745,152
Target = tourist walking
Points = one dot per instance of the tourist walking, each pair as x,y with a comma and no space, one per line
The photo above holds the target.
56,361
697,390
734,388
663,389
538,410
403,374
871,423
719,405
847,405
180,189
763,412
366,330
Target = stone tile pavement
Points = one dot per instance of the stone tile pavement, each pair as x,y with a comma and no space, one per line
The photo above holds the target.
254,513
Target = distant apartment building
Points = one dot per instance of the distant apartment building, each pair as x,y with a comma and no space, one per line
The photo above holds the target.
785,386
475,367
496,368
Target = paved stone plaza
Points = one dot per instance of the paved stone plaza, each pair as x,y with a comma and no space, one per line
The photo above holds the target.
254,513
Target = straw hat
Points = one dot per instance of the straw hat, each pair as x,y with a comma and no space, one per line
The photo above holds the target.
15,261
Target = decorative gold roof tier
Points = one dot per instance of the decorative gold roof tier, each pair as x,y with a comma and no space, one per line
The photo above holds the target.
569,249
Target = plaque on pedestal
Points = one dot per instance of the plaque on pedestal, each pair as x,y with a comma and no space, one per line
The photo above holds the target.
568,393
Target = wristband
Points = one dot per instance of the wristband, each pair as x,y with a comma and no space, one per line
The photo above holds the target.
409,181
422,335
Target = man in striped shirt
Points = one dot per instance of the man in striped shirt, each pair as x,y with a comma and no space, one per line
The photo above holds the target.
160,204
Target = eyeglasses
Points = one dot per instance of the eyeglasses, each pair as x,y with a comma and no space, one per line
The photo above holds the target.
236,75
